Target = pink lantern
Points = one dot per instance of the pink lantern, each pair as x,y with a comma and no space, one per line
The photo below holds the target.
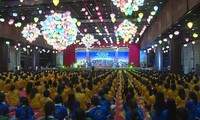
23,17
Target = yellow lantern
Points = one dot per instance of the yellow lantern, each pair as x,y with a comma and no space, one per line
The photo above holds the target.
113,20
78,23
190,24
195,35
140,15
55,2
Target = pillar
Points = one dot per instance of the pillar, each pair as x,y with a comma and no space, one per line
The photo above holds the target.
4,56
175,62
35,59
159,58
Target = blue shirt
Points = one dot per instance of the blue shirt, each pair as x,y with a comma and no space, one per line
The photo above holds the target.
4,109
105,102
140,112
190,105
164,114
99,113
60,112
74,108
20,113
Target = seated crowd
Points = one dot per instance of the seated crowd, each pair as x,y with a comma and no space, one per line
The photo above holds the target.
86,95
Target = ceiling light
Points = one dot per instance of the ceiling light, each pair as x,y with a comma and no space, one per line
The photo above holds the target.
7,43
193,42
165,39
187,39
153,12
14,14
170,36
167,47
185,45
83,9
40,11
176,33
97,8
155,8
160,41
2,19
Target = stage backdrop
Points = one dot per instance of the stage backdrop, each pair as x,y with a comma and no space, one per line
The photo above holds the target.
133,54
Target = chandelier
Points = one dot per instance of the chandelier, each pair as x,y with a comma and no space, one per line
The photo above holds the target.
31,32
88,40
59,30
126,30
128,6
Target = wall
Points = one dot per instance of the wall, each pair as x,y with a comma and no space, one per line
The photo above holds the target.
191,58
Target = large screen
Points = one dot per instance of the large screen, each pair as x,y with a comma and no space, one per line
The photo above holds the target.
81,56
123,56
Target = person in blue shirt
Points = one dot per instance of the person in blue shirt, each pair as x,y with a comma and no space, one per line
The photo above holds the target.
80,114
4,109
128,97
104,101
98,112
49,110
170,112
133,112
159,106
72,104
192,105
60,111
24,111
182,114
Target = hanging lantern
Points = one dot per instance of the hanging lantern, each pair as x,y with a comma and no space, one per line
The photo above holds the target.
113,20
190,24
141,15
55,2
78,23
36,19
195,35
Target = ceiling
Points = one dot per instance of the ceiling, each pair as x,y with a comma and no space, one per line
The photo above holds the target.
30,9
184,31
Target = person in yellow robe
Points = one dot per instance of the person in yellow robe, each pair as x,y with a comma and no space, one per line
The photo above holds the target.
34,99
81,98
13,96
46,98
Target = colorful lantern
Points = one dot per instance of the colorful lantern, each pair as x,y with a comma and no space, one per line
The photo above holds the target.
31,32
60,30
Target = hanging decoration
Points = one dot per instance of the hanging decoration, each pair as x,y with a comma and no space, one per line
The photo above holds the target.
31,32
56,2
59,30
88,40
127,30
112,16
128,6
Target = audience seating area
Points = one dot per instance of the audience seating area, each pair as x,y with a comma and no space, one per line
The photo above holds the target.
130,94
